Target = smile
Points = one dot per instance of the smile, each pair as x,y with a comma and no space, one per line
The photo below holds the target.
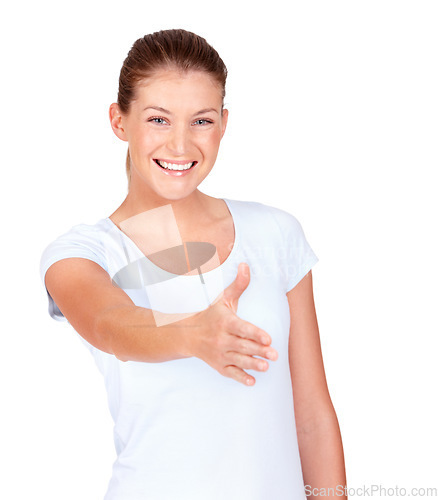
175,166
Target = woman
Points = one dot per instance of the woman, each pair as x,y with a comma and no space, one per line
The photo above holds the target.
207,290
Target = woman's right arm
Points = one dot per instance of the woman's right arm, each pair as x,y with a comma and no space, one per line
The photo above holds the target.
106,317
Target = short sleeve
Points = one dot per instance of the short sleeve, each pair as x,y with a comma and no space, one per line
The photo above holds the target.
296,255
81,241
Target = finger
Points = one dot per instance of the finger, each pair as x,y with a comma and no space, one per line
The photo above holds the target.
251,348
247,330
233,292
238,374
247,362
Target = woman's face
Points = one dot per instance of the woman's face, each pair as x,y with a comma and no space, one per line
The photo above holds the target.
175,122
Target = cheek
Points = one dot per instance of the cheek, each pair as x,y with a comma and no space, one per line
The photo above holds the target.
212,140
149,141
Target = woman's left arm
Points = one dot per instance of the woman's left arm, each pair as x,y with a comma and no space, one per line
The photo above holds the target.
319,437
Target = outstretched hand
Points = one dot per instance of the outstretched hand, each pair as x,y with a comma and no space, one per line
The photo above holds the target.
225,341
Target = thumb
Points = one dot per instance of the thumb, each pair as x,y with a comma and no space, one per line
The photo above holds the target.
233,292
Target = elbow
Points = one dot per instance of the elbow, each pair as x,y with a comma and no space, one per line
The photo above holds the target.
121,356
323,417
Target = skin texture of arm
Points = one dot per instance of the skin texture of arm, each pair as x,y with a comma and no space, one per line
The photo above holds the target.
319,437
106,317
97,310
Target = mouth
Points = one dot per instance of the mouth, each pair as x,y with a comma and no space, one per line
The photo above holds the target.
175,167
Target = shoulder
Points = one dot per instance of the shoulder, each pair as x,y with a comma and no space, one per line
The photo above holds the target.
88,230
83,234
259,213
81,240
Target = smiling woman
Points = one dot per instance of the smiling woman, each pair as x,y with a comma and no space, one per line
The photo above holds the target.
156,52
184,139
182,298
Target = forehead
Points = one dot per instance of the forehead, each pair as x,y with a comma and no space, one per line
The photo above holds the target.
179,89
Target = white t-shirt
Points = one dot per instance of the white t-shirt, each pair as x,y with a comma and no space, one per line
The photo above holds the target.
182,431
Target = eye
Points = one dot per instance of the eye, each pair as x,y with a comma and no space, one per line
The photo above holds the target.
158,120
202,121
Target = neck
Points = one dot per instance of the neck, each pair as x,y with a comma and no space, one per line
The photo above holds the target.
191,209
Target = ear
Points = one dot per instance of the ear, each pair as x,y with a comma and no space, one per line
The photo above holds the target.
117,121
224,121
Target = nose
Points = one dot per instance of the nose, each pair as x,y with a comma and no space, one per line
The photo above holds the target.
178,140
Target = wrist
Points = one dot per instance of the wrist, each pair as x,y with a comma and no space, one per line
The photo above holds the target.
190,334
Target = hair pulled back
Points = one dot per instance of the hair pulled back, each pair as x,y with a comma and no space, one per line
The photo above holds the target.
174,49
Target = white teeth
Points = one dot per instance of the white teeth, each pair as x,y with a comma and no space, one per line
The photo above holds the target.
173,166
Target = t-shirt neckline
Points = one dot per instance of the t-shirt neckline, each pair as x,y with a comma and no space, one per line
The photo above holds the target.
225,263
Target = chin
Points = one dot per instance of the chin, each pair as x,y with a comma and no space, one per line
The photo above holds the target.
175,195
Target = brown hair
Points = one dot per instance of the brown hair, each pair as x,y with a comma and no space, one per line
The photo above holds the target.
169,49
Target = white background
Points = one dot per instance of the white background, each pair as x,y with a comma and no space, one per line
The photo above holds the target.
333,117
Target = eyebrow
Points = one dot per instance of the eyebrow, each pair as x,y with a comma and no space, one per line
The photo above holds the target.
163,110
